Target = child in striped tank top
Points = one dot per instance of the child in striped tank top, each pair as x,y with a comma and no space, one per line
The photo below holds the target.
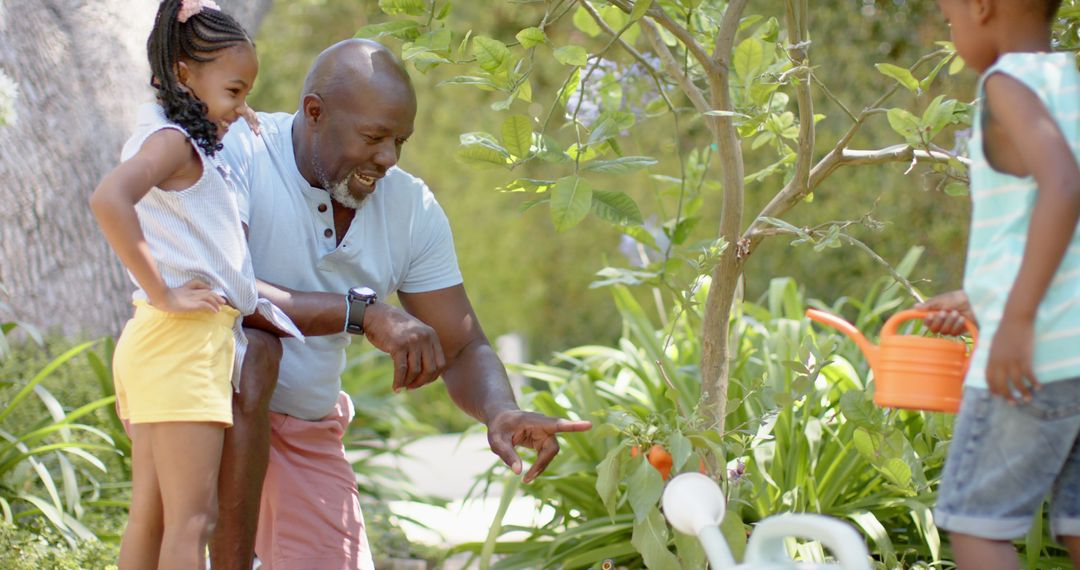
169,213
1016,437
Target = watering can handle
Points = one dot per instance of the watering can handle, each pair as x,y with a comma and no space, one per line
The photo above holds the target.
894,322
767,549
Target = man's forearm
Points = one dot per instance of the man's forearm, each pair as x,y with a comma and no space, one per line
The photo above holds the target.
476,380
316,314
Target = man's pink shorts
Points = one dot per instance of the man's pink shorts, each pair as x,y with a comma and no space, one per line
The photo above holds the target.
310,516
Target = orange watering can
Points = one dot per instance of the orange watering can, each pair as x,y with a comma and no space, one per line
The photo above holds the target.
910,371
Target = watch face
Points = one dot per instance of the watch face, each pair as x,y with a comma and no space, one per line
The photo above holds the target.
364,293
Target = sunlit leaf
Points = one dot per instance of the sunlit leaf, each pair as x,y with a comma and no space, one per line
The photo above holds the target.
396,28
584,22
490,53
639,10
615,207
571,55
620,165
517,135
407,7
531,37
571,200
900,74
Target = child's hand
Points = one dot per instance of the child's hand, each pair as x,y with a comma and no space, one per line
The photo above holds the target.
950,311
252,119
1008,371
192,296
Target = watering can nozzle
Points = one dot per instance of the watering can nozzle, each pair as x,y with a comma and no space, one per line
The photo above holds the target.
869,349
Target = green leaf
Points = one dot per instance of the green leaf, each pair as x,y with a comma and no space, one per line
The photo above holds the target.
445,11
749,58
641,235
957,65
517,135
644,488
956,189
483,82
609,125
490,53
608,476
640,8
397,28
480,149
530,37
680,448
938,114
620,165
572,55
422,54
571,87
905,124
898,471
900,74
650,538
407,7
527,185
584,22
616,208
735,532
571,199
864,443
691,553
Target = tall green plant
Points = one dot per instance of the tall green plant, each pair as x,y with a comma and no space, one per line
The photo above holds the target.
49,453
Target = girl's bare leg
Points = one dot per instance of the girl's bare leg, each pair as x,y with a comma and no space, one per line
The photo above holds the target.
142,538
187,456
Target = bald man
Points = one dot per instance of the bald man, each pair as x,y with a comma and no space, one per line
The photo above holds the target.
334,227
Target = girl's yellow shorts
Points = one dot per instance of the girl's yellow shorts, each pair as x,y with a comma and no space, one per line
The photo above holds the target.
175,367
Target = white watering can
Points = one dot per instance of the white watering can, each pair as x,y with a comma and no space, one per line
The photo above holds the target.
695,505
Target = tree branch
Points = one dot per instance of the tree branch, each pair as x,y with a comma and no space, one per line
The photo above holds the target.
671,66
607,29
798,51
791,194
895,153
657,14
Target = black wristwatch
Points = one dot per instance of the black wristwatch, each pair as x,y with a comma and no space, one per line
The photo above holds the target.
359,298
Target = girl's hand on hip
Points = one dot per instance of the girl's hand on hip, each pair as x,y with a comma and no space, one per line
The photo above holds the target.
193,296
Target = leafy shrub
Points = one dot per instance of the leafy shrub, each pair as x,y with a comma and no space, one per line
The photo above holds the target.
37,548
62,456
803,436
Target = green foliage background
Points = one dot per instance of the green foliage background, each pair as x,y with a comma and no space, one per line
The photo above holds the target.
523,276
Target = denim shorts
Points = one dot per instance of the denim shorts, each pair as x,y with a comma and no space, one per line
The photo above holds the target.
1004,459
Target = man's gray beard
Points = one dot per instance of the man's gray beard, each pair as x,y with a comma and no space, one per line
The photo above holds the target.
340,193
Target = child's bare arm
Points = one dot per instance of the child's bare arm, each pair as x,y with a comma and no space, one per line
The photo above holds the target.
161,158
1046,155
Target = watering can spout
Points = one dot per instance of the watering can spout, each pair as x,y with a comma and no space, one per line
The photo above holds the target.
869,349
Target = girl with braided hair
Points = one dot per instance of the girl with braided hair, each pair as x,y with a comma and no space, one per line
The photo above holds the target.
169,212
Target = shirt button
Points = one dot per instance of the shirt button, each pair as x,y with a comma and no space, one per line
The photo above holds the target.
329,232
322,207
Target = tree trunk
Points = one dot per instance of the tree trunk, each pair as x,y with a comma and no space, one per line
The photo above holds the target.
82,71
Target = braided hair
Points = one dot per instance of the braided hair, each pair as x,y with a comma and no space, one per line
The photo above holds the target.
196,39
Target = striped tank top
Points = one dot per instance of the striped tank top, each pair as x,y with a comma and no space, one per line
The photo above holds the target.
196,233
1001,214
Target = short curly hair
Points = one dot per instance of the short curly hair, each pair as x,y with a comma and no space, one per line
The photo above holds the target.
196,39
